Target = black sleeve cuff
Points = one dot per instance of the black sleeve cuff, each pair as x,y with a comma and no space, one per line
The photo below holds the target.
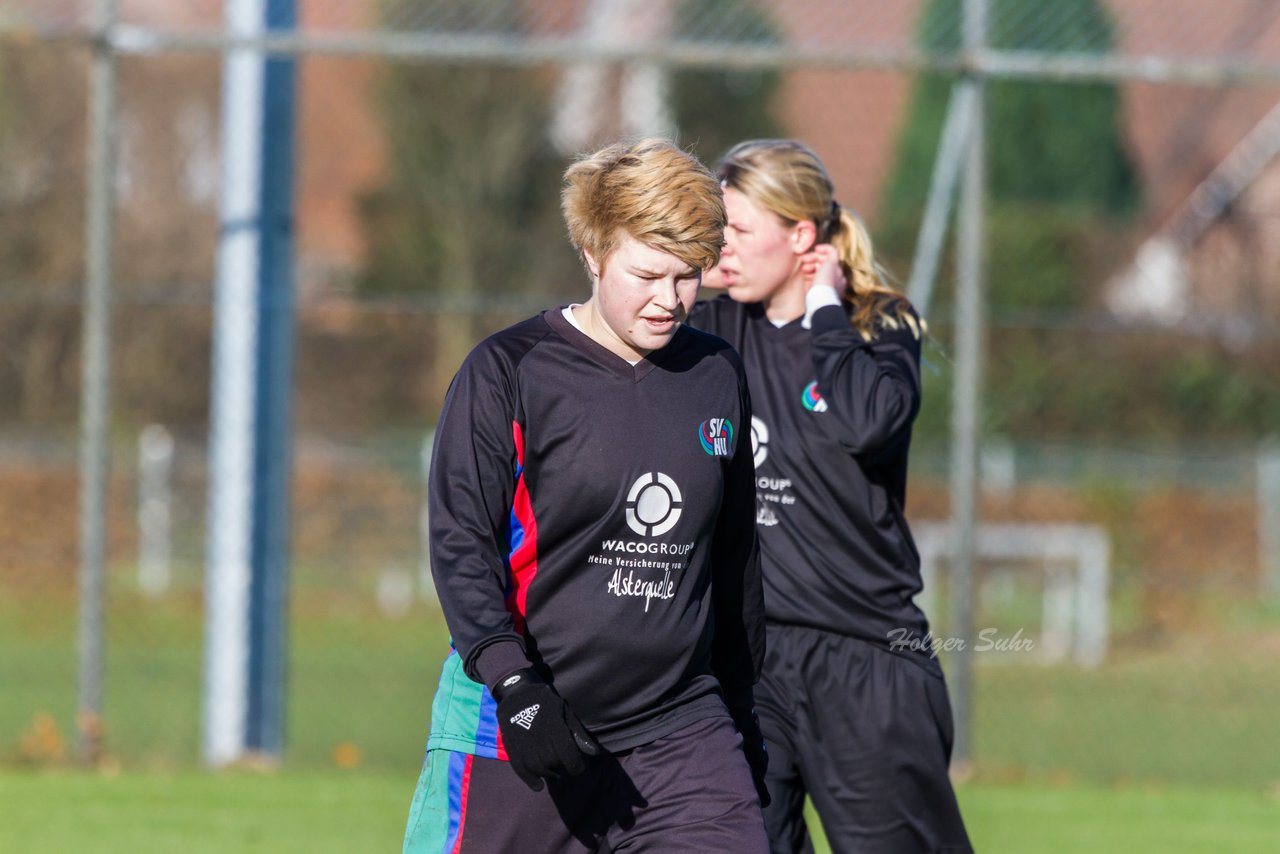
497,660
830,318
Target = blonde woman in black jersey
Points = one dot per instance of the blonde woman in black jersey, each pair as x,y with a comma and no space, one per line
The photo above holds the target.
592,543
853,706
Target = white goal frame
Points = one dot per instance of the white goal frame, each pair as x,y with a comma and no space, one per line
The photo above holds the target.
1076,561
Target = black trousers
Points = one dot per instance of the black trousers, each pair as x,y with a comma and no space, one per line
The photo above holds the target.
690,791
866,733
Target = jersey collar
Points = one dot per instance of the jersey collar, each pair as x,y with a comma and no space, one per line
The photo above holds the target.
603,356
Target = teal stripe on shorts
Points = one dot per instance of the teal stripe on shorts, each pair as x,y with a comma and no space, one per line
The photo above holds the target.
437,815
463,714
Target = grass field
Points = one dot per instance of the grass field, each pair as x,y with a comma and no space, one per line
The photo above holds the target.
1168,748
332,812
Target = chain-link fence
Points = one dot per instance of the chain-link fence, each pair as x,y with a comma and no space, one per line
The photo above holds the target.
1132,363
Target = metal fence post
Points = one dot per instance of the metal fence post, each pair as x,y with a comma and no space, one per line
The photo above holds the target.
95,392
155,517
1269,518
998,466
967,392
942,185
426,583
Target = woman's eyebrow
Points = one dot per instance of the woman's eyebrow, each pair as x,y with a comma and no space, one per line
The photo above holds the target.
658,274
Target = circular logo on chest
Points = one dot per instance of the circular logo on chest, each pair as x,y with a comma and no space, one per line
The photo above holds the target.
653,504
759,441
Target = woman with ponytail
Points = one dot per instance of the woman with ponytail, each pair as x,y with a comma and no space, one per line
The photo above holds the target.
853,705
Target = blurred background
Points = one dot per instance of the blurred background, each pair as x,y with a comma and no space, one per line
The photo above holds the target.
1123,358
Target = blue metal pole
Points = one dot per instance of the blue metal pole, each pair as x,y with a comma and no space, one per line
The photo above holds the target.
268,620
249,459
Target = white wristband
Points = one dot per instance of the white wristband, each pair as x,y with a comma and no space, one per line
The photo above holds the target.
819,296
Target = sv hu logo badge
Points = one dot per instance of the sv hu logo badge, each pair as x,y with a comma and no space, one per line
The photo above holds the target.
716,436
812,399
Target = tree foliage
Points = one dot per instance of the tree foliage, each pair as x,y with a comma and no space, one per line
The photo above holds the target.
1062,191
469,204
1048,143
470,200
717,108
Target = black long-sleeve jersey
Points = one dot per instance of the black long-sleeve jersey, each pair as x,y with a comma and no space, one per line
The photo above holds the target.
831,431
595,519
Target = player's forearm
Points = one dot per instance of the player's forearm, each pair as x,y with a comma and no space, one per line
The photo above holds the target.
471,595
470,495
872,388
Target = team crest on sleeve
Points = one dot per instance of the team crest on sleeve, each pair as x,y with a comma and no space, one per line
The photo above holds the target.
811,399
716,436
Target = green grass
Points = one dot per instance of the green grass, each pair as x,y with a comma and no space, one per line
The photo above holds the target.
1194,711
1029,819
329,811
1166,747
1194,716
354,677
195,813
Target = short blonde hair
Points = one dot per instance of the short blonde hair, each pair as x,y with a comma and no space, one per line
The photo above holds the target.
652,190
787,178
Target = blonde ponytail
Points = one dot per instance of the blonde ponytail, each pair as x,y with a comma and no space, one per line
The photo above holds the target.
875,303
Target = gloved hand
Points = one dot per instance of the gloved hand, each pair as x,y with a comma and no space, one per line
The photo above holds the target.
543,738
748,724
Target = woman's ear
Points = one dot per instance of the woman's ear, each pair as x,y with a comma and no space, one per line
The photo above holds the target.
804,236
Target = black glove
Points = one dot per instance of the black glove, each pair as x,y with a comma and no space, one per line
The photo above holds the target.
543,738
748,724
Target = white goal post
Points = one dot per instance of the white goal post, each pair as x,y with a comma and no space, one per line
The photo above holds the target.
1076,560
